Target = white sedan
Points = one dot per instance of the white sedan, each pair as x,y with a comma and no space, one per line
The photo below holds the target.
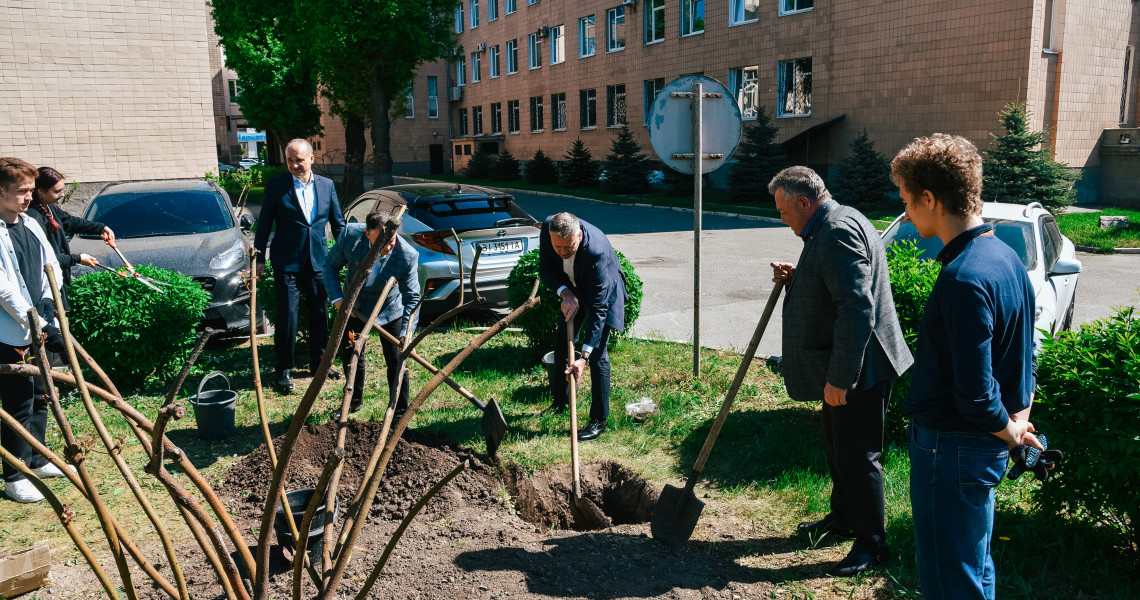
1048,256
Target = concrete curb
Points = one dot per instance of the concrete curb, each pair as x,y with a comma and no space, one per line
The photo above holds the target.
1095,250
715,213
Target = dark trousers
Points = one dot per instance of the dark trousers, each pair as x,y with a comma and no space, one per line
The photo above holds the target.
391,361
853,441
599,370
288,287
27,407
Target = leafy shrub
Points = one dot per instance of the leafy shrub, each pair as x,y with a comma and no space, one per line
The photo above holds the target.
506,167
480,166
132,331
912,280
580,169
541,169
539,324
1088,405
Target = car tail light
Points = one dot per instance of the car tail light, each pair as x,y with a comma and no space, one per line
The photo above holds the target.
434,240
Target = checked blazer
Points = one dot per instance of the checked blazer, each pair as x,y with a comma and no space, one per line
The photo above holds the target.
840,325
402,262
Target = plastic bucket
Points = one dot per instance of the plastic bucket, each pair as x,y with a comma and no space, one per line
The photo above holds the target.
558,372
214,410
298,502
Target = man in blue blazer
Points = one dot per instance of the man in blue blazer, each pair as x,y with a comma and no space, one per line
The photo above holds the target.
578,262
298,206
397,259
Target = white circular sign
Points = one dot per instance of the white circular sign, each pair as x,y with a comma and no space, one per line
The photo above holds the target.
671,123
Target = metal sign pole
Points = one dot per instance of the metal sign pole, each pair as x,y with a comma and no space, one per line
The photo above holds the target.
698,97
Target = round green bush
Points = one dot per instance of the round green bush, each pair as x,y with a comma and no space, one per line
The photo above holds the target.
539,323
132,331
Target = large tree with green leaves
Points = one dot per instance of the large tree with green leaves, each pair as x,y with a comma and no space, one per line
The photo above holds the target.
1019,167
278,80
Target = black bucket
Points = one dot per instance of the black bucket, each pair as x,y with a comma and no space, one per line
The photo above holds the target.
214,410
298,502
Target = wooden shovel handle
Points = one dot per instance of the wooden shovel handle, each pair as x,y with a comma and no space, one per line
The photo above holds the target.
741,371
573,412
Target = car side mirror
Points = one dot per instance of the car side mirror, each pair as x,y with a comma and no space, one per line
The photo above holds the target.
246,224
1065,266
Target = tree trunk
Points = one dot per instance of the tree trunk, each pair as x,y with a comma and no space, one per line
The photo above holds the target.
381,135
354,145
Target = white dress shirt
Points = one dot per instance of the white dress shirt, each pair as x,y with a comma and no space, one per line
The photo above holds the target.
307,195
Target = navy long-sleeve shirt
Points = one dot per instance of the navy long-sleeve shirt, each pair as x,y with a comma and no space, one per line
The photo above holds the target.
974,362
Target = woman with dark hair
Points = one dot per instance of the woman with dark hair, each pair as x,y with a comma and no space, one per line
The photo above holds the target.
58,224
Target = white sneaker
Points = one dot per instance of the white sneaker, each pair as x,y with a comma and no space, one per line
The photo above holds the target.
49,470
23,491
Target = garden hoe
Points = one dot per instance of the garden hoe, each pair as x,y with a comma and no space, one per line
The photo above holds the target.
678,510
586,514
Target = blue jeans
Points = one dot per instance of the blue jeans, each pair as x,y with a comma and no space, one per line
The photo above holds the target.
952,481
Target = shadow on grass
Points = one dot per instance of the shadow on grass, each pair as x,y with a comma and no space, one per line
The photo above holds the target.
500,360
204,453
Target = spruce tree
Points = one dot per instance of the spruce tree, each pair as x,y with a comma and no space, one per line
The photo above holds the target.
580,170
506,167
1019,168
758,159
627,169
541,170
480,165
863,179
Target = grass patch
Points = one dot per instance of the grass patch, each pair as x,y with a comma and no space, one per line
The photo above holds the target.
1084,229
765,475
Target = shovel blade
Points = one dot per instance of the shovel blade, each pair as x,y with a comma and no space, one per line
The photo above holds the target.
675,516
494,426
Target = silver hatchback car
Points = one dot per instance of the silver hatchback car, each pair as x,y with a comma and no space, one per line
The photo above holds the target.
481,217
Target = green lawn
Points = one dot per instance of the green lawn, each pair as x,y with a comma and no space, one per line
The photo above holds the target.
1084,229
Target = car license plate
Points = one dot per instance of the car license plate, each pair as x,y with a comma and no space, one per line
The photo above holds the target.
501,247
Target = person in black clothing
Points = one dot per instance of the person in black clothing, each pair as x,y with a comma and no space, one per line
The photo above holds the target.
58,224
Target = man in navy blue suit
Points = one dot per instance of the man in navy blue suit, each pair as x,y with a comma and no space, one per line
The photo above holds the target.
298,206
578,262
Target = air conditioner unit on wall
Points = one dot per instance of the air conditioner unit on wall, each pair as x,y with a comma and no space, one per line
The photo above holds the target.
544,31
454,93
481,47
630,3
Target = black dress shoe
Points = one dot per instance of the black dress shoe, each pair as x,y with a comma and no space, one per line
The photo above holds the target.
859,560
333,373
555,409
284,383
355,405
592,430
827,525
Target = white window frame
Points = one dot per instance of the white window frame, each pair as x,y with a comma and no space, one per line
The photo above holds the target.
615,18
649,91
1048,34
688,17
585,98
493,63
736,14
739,79
410,103
512,56
496,118
558,109
459,18
492,10
536,116
513,117
781,92
510,6
557,44
473,6
784,10
433,99
530,2
653,16
534,51
477,120
475,67
587,42
460,72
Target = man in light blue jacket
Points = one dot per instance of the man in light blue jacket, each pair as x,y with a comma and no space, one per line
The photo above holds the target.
397,259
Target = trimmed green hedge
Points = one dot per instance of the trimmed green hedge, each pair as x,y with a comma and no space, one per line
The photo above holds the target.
912,280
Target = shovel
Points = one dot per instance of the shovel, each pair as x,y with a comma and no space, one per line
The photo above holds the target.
493,424
587,514
678,510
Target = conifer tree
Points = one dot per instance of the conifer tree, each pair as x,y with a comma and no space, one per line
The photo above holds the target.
758,159
1019,168
506,167
541,170
580,170
863,179
627,169
480,165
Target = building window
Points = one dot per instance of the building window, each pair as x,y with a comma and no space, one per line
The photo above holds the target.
615,29
615,105
510,6
494,62
433,98
459,19
788,7
460,72
692,17
1125,86
229,127
467,149
1047,37
743,81
587,109
534,54
496,117
409,103
512,116
649,88
492,10
586,36
743,11
654,21
529,2
536,113
558,112
474,10
477,119
475,67
557,44
512,56
463,121
794,88
233,90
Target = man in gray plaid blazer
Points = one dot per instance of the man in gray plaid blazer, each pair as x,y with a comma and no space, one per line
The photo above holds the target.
843,345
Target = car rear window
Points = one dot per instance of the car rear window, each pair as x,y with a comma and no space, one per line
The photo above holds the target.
142,214
467,213
1016,234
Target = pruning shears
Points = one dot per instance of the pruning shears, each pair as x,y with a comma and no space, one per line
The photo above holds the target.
131,273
